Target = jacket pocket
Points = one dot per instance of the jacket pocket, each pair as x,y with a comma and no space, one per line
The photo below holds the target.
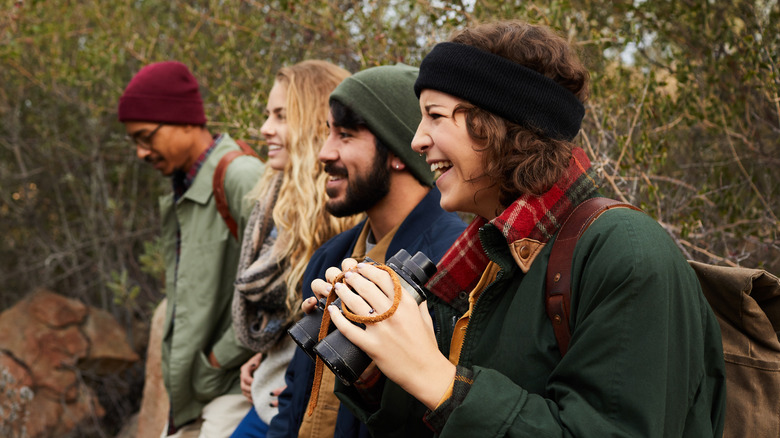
209,382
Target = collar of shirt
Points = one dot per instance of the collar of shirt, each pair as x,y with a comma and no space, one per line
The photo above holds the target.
378,250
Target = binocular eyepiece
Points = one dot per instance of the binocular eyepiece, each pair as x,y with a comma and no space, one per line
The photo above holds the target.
337,352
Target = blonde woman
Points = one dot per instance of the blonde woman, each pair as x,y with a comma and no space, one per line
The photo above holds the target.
288,223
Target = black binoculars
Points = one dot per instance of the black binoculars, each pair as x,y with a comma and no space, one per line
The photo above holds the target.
337,352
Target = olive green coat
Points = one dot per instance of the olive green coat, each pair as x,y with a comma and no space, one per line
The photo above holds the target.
645,358
198,318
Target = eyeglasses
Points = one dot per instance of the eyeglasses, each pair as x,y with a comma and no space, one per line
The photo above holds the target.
143,141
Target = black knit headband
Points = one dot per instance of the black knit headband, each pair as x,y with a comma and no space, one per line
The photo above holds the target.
503,87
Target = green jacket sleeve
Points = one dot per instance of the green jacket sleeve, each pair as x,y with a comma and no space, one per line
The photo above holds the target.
397,416
230,353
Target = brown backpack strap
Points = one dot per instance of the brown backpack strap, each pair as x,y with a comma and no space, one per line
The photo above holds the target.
558,284
247,149
218,184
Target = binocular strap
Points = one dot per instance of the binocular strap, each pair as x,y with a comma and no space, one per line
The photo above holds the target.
318,366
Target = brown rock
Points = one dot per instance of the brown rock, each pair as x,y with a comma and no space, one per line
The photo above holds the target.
109,351
15,395
53,418
153,415
130,428
55,310
28,333
48,338
10,367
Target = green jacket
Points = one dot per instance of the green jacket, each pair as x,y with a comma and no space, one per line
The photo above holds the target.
645,358
198,317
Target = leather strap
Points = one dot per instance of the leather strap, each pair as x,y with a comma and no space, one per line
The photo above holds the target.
558,282
218,184
247,149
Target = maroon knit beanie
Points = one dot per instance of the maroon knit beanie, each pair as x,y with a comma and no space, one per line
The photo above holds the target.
163,92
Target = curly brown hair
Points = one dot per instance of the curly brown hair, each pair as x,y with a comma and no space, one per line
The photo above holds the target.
522,160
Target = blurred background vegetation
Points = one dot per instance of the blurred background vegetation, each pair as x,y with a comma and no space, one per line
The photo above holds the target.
684,119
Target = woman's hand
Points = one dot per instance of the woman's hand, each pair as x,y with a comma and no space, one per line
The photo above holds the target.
308,305
275,393
403,346
322,288
246,375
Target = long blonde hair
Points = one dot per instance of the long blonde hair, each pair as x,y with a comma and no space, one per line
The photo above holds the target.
299,212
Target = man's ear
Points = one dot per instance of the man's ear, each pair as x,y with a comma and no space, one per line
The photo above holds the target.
395,162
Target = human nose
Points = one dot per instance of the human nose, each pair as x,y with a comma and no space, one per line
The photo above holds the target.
267,129
421,141
142,152
328,151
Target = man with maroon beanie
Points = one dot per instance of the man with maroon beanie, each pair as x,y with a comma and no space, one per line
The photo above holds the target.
163,115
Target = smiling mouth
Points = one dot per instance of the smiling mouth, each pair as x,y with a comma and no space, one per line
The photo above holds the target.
440,167
274,147
335,173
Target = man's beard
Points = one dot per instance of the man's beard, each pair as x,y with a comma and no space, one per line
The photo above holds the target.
363,191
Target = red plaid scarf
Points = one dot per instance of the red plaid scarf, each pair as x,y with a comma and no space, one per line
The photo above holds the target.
530,216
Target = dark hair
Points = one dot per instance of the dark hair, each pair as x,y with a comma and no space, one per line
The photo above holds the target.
344,117
522,160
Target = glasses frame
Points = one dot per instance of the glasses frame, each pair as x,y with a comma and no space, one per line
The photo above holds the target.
143,141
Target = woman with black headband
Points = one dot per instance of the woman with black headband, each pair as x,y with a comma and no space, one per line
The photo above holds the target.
501,105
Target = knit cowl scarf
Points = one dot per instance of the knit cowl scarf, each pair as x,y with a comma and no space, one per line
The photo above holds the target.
259,300
529,216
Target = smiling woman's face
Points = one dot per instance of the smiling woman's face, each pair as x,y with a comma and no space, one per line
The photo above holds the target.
454,157
275,127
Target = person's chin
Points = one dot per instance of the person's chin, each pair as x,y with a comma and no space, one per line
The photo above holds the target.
335,194
161,167
446,206
336,207
450,202
276,163
334,202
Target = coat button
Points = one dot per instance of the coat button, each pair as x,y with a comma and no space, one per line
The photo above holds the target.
525,252
463,295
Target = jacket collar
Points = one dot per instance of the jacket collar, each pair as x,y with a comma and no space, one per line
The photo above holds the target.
417,221
525,226
202,186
